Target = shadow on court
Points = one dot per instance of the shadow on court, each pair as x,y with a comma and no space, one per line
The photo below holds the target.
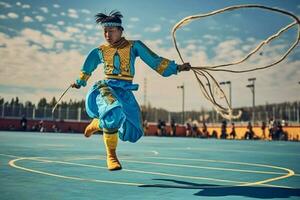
211,190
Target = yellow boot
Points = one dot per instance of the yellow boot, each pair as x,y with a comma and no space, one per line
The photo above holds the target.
111,141
92,128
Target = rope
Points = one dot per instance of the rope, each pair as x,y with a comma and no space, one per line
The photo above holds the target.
204,71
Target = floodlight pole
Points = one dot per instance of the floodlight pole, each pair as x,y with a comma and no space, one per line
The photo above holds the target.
252,87
182,87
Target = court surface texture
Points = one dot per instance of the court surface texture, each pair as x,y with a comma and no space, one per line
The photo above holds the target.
37,165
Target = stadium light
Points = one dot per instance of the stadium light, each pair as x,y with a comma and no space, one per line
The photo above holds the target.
252,87
182,87
228,83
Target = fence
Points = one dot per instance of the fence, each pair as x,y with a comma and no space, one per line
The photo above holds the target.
33,112
288,112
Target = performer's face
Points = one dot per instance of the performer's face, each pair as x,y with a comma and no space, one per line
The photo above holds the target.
112,34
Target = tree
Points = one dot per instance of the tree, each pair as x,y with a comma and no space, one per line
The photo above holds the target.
53,102
42,102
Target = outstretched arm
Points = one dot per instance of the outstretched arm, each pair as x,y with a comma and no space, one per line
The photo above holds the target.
162,65
90,64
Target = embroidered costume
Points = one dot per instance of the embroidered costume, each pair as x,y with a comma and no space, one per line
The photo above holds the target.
111,100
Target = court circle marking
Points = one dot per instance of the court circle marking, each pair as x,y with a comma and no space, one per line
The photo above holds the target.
264,182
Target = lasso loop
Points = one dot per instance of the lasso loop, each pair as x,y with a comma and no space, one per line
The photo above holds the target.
213,86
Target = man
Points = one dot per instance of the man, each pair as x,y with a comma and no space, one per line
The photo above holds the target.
110,102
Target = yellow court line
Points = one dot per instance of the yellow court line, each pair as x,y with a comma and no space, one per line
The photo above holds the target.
12,163
191,166
229,150
201,167
289,174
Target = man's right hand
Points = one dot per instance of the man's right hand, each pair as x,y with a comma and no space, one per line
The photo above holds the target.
74,85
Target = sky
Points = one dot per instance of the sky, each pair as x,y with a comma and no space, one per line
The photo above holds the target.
43,45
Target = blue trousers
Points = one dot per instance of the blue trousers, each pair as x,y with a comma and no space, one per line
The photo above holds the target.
113,103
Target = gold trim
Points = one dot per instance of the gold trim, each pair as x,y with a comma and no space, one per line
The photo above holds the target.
83,76
109,52
162,66
121,77
108,96
124,54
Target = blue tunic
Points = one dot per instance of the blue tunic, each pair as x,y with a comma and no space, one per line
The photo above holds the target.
111,100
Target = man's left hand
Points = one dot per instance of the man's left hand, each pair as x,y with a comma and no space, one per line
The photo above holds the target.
184,67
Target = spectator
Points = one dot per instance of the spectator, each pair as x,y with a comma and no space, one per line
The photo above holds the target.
34,127
263,128
23,123
188,129
195,129
55,128
41,126
159,128
145,126
163,128
223,130
232,133
214,134
271,128
249,133
173,127
205,133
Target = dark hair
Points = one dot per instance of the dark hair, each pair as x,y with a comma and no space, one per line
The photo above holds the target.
113,16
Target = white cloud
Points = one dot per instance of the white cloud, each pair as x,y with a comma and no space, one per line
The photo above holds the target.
89,26
44,9
40,18
54,15
213,28
59,34
251,39
155,28
59,45
134,19
172,21
186,29
5,5
85,26
62,13
56,5
61,23
210,37
39,68
54,70
26,6
27,19
134,36
80,25
71,29
3,17
72,13
37,37
12,15
85,11
18,3
130,26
